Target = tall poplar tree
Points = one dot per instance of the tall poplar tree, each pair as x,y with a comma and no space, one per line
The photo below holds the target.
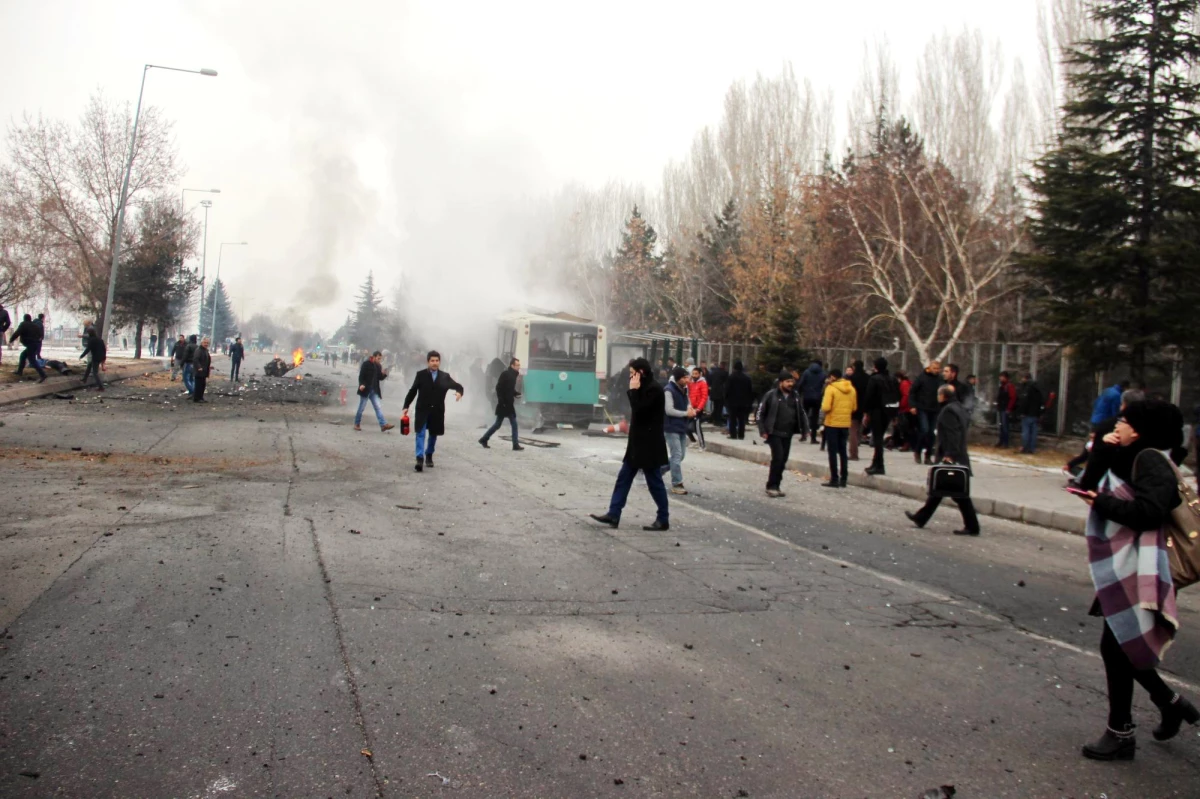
1116,234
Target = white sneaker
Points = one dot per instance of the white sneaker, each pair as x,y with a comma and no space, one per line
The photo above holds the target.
679,489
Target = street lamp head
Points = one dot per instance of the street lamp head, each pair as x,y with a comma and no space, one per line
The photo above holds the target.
214,191
211,73
206,203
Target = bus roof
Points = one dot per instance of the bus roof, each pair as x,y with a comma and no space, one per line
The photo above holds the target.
545,317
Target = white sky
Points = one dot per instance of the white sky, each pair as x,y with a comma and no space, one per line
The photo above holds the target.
335,129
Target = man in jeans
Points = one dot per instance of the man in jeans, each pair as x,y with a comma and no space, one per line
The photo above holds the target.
1006,403
369,375
189,366
781,416
678,412
923,399
177,357
1030,405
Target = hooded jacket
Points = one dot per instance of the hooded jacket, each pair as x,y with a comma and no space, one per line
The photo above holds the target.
812,383
698,393
839,404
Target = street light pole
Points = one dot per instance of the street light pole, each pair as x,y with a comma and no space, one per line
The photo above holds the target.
203,263
116,244
212,335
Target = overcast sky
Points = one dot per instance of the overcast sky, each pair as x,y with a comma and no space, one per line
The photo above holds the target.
336,129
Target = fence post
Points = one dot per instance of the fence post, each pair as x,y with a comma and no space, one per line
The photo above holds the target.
975,359
1004,358
1064,371
1033,360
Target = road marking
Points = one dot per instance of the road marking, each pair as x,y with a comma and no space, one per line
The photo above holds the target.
921,589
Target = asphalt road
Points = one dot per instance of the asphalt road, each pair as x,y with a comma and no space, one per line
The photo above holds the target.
247,598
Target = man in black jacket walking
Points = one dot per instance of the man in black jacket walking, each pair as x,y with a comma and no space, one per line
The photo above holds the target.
781,416
952,426
369,376
201,368
31,340
237,354
431,384
506,398
881,404
739,398
94,345
646,449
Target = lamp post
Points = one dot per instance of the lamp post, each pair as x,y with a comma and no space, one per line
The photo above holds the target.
183,194
116,244
203,263
212,335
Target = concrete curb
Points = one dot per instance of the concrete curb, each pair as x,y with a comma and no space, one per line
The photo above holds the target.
70,383
984,505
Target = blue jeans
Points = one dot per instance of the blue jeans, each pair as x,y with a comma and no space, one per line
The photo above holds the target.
235,369
189,377
928,422
625,482
1002,420
422,450
362,403
677,446
1029,431
496,426
836,439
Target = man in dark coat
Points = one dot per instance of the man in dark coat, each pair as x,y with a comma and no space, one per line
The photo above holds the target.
177,356
40,322
31,340
201,368
881,404
718,380
1030,407
781,416
812,390
646,450
858,379
369,376
506,408
923,400
237,354
739,398
431,384
952,424
94,345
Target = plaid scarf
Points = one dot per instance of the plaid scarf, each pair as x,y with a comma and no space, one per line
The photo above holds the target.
1132,576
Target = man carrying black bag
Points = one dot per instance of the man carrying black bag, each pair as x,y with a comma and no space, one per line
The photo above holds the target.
951,449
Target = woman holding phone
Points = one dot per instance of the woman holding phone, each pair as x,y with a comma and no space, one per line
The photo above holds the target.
1127,558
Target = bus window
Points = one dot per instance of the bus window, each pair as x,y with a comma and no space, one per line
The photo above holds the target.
583,346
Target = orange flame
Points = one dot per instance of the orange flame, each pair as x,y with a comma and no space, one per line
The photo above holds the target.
297,356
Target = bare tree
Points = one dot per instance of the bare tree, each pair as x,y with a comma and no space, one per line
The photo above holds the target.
68,178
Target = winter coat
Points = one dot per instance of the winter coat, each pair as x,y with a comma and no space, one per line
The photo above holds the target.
202,362
369,376
237,352
839,404
177,351
646,448
739,392
5,321
27,332
952,423
718,380
1030,401
431,405
769,409
859,380
506,393
812,383
1108,405
96,346
1155,494
923,394
1006,397
675,418
698,393
875,401
905,393
189,352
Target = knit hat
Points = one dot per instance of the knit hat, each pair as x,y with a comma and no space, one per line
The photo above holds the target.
1159,424
785,375
678,372
881,364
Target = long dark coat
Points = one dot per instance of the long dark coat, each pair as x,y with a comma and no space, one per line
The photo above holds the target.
506,393
647,447
369,375
431,404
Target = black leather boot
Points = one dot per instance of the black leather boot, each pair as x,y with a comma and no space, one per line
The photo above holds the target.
1174,713
1112,745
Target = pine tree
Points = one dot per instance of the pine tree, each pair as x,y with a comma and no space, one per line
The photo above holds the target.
1117,231
225,325
782,348
368,319
638,277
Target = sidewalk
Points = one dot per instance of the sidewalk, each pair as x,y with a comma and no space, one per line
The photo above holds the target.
11,393
1009,491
